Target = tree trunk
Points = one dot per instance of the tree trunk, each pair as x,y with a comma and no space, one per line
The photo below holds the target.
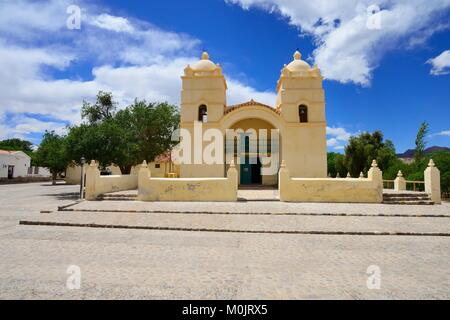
54,178
125,169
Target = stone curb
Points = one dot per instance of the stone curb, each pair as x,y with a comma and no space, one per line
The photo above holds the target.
312,232
62,209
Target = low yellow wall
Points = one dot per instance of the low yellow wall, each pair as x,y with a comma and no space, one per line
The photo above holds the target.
187,189
367,190
97,184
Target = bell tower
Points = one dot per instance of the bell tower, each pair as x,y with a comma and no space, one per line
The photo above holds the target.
301,103
203,95
203,103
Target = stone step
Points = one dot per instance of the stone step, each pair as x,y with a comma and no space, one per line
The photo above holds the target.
405,198
405,195
118,197
408,198
410,202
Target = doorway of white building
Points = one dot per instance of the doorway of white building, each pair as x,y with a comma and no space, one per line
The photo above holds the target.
10,172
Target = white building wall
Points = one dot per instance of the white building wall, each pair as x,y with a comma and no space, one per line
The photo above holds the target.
20,161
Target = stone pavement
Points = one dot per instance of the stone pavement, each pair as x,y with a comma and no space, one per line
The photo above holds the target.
265,207
250,223
155,264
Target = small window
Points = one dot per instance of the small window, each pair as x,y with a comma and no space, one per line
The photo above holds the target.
203,113
303,113
157,166
36,170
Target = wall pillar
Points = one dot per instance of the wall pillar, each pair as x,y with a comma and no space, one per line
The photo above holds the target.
143,175
92,174
376,176
232,174
433,182
283,180
399,182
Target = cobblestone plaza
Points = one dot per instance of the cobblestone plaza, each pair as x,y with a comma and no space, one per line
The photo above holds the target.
170,264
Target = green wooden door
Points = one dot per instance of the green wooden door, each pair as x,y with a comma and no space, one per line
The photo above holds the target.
246,167
246,173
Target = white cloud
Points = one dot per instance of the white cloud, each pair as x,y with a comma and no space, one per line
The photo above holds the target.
445,133
440,65
238,93
339,137
109,22
20,126
347,49
130,58
340,133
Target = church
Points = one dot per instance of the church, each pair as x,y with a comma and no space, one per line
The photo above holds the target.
297,120
222,148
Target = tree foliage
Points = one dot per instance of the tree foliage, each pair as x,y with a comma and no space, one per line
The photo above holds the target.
362,149
104,108
16,145
126,137
421,143
51,154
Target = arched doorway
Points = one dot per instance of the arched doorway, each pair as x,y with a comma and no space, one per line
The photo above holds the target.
255,149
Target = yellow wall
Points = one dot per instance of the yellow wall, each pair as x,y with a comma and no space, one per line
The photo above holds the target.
97,184
368,190
186,189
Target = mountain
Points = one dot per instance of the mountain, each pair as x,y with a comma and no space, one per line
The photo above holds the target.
410,152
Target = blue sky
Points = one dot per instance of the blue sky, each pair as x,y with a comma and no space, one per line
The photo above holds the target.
390,75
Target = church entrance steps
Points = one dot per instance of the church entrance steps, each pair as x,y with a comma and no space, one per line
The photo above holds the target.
293,224
407,197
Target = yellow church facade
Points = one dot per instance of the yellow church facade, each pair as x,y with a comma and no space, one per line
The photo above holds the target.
293,130
222,147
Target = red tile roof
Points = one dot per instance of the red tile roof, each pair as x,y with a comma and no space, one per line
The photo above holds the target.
251,103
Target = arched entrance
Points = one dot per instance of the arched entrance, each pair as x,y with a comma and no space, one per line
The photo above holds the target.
255,147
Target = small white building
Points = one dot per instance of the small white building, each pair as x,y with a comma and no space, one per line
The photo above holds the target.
39,172
14,164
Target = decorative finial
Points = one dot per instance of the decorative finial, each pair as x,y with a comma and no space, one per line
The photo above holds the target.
348,175
374,163
431,163
232,165
93,163
297,55
399,173
283,164
205,55
144,164
361,174
338,175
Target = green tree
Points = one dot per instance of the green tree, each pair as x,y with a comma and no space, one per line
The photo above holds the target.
51,154
362,149
335,164
126,137
421,142
16,145
104,108
340,165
